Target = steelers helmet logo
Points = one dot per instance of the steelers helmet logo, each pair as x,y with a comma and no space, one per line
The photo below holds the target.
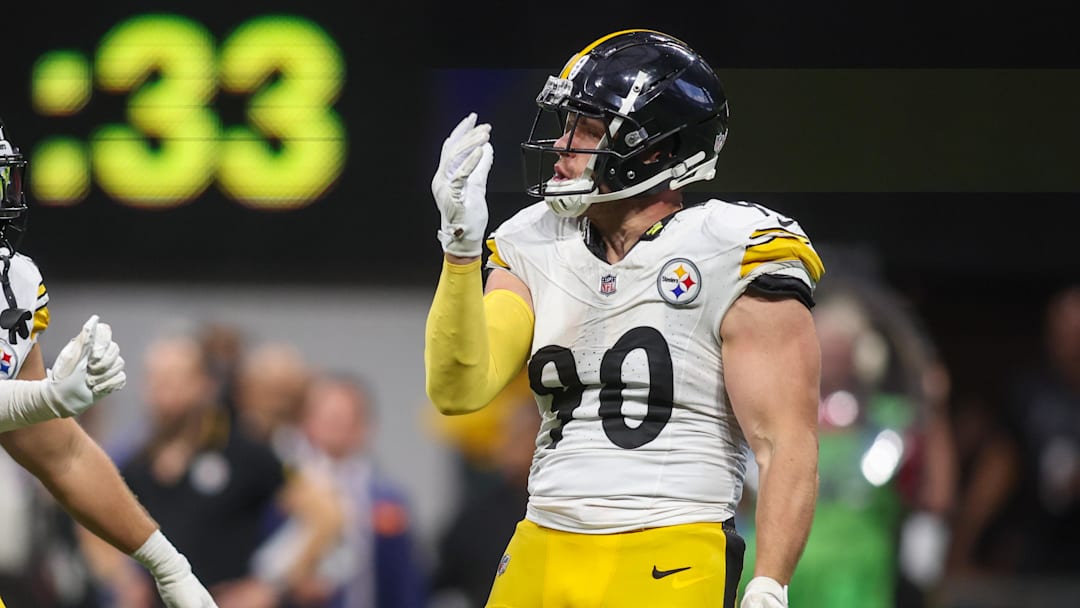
679,282
9,360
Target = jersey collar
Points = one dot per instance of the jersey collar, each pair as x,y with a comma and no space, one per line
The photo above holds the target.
596,246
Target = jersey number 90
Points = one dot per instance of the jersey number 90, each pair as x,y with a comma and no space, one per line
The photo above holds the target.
567,397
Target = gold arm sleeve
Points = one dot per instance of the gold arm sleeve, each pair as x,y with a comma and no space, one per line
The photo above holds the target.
474,344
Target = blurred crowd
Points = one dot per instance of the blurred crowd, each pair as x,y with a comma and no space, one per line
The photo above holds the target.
260,468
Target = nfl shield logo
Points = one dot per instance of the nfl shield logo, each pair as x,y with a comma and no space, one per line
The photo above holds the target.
607,284
503,563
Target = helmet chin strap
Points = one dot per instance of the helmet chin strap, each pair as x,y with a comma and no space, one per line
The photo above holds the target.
573,205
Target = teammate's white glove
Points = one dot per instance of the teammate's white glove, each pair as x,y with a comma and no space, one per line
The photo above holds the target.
87,368
460,187
764,592
176,583
105,367
185,592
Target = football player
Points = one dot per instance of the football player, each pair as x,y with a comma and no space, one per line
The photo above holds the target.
660,338
38,406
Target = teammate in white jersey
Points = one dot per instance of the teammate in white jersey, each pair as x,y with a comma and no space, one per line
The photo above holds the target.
660,337
38,406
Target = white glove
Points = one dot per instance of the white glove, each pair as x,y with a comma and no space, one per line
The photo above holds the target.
176,583
105,366
87,368
460,187
764,592
185,592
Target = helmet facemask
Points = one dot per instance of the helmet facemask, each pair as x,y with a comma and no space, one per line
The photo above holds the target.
559,118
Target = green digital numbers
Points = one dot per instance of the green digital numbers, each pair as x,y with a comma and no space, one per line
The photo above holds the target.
61,83
61,169
294,109
172,145
167,151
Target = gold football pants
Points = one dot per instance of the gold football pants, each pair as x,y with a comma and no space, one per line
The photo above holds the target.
684,566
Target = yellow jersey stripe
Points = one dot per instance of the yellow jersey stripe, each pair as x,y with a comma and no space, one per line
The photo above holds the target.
570,64
780,232
494,257
41,321
783,249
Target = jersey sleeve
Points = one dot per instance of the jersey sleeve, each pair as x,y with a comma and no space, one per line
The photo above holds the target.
508,244
770,253
28,287
495,259
781,261
41,311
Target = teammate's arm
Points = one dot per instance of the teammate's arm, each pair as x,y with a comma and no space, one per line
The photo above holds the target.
88,368
78,473
84,480
772,366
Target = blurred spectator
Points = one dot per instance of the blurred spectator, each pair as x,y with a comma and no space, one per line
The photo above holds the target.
984,541
473,541
212,489
1020,513
476,440
886,459
224,346
375,564
270,384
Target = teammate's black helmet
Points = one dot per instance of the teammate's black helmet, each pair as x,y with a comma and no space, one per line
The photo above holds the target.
13,206
653,93
12,223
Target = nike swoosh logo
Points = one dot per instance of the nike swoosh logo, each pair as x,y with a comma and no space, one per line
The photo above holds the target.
659,574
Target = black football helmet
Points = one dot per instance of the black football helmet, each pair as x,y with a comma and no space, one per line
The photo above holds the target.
13,211
13,208
664,110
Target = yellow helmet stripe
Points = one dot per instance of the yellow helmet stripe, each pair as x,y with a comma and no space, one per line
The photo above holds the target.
570,64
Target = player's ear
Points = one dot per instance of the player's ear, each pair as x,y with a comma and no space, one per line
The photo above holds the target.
662,151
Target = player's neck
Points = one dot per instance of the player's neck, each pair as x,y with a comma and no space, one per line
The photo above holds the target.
620,224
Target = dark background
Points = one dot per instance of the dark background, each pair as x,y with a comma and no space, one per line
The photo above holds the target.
936,139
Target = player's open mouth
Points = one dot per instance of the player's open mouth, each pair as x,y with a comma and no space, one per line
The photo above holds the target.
560,176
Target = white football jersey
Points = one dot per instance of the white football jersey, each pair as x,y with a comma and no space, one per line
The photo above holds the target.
29,292
637,429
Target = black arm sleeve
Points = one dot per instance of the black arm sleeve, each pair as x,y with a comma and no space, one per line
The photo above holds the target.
775,285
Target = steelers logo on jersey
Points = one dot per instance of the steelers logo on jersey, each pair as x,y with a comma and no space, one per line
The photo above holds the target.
679,282
9,360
